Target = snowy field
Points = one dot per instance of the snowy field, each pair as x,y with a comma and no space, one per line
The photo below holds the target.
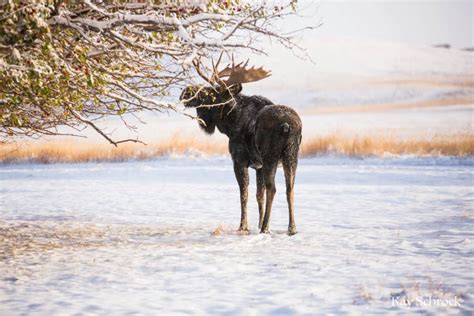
374,235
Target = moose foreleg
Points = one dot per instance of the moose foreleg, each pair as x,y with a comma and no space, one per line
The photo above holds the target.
242,176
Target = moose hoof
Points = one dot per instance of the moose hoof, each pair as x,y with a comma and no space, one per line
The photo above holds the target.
291,231
244,230
265,231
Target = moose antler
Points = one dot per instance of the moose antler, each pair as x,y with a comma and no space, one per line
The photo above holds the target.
236,74
215,75
197,66
240,74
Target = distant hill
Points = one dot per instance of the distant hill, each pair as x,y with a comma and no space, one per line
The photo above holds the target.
349,71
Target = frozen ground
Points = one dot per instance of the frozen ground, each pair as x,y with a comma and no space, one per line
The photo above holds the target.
374,235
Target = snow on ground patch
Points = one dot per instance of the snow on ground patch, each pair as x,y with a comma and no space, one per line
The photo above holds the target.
160,237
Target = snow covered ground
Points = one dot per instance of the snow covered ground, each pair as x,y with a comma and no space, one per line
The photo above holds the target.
375,235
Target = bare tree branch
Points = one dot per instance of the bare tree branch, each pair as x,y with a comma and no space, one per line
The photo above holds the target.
68,63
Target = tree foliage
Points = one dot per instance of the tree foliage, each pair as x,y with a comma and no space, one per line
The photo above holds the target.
70,63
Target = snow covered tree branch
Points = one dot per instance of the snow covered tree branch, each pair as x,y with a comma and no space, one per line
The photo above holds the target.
70,63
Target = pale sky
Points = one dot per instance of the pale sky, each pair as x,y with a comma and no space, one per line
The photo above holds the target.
415,22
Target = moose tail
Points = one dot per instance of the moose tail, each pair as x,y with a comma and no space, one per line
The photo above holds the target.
285,128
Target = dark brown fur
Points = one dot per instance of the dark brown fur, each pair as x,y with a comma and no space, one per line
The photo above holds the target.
257,130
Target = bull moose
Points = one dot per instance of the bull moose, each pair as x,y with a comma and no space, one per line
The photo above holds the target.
261,134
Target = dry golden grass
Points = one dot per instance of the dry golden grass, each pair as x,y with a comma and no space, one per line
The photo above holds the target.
70,152
369,145
336,143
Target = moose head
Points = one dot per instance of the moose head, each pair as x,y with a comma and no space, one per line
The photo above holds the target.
223,86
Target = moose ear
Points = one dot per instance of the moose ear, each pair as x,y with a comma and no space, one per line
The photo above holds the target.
235,89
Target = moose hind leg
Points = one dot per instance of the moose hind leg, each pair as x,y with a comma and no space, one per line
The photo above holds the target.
289,167
269,171
242,176
260,197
